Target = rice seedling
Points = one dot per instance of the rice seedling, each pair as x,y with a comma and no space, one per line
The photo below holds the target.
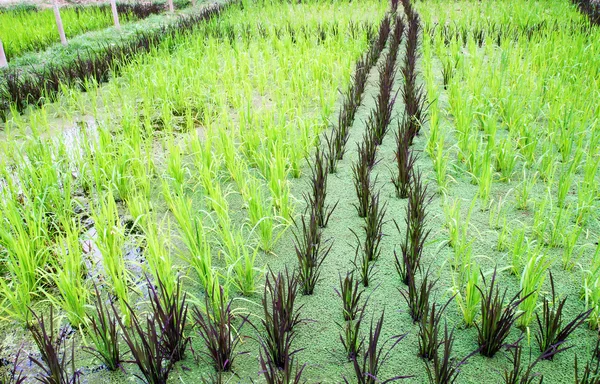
350,336
552,334
169,311
591,372
145,346
240,259
316,199
56,366
532,278
405,162
281,316
591,288
350,295
104,333
519,374
445,368
69,276
110,240
363,186
429,330
497,317
468,296
311,251
217,330
13,375
367,369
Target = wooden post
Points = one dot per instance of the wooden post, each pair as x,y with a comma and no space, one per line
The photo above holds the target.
59,24
115,13
3,61
171,6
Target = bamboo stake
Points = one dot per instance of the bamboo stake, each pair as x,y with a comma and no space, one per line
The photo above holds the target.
115,13
59,24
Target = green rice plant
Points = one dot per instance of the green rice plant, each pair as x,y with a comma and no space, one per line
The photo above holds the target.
157,253
240,259
591,288
175,167
532,278
587,189
110,240
523,190
260,214
506,158
23,236
69,276
565,181
452,220
279,185
441,160
558,226
502,244
569,258
540,218
468,296
194,236
519,250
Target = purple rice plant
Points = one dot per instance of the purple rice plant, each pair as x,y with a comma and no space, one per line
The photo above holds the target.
362,265
518,373
311,251
281,316
384,102
591,371
104,332
417,295
291,373
429,330
350,335
170,311
54,362
316,200
216,328
374,221
497,319
145,344
552,334
416,233
405,163
350,294
374,357
444,368
361,173
12,375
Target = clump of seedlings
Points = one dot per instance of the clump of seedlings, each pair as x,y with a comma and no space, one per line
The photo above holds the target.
417,295
311,251
353,314
104,332
519,374
159,343
363,185
170,311
316,199
416,233
444,368
405,161
374,357
430,329
552,334
281,316
57,364
497,318
216,328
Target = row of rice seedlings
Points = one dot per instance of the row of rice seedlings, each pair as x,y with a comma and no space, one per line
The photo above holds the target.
559,219
33,31
38,86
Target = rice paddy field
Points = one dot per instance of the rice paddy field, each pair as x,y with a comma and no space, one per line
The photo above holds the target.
310,192
28,29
